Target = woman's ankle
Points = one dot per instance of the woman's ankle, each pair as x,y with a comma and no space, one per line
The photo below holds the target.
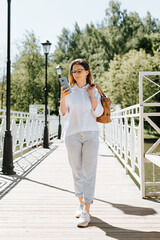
87,207
81,199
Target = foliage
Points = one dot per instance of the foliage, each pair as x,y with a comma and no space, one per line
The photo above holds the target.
118,33
27,82
117,49
121,80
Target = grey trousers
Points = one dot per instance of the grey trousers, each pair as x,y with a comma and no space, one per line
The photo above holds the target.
82,154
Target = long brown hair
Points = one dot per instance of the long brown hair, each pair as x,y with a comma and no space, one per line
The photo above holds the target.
84,64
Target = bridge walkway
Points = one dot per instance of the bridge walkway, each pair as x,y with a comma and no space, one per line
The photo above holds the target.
39,202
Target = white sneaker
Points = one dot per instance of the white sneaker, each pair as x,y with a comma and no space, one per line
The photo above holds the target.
79,210
84,219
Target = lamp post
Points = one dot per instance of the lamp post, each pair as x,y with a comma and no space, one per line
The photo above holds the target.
46,48
7,165
59,73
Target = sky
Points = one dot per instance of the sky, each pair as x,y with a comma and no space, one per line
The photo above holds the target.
47,18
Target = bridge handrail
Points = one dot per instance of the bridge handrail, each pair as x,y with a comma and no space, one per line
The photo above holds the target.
134,110
27,130
125,136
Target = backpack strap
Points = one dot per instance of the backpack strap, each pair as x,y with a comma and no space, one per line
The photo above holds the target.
100,91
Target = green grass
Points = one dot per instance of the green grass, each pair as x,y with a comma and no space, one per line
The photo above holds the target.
151,134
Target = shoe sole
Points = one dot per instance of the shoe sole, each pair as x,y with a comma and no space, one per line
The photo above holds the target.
83,224
77,216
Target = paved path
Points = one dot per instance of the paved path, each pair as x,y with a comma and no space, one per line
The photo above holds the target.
39,202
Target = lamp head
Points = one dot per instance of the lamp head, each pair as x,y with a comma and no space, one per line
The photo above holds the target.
46,46
59,70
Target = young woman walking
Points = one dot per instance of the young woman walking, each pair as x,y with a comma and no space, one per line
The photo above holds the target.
79,110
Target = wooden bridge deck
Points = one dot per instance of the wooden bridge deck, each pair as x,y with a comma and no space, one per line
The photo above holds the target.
39,203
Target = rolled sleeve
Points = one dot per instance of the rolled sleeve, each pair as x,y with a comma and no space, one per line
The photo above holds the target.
99,109
65,116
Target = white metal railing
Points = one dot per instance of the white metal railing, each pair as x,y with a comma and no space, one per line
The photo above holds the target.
27,130
122,136
125,136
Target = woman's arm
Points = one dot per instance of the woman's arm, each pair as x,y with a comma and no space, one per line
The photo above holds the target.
97,108
94,102
92,96
63,107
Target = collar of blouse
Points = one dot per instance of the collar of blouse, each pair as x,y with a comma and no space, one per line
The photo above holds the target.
75,86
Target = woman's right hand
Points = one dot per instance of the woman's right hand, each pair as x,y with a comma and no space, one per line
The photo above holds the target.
64,92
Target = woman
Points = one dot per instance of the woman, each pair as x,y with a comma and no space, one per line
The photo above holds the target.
79,110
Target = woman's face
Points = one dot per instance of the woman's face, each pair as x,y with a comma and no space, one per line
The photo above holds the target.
79,73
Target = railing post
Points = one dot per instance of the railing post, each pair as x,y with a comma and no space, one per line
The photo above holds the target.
121,136
141,139
126,142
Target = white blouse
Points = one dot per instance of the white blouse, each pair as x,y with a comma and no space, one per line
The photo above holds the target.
80,115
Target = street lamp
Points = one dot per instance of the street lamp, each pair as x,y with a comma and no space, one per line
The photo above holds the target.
7,165
59,73
46,48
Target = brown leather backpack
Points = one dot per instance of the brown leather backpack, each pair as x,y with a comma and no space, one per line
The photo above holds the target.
106,102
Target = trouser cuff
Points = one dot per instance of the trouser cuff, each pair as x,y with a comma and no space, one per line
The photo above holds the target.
86,200
79,194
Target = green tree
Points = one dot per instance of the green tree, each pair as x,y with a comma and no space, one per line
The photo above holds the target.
112,48
27,81
61,51
118,33
127,30
152,25
121,81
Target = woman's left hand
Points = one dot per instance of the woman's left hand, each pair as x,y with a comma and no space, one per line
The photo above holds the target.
91,91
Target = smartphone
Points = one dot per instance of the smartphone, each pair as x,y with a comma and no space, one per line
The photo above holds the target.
64,82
